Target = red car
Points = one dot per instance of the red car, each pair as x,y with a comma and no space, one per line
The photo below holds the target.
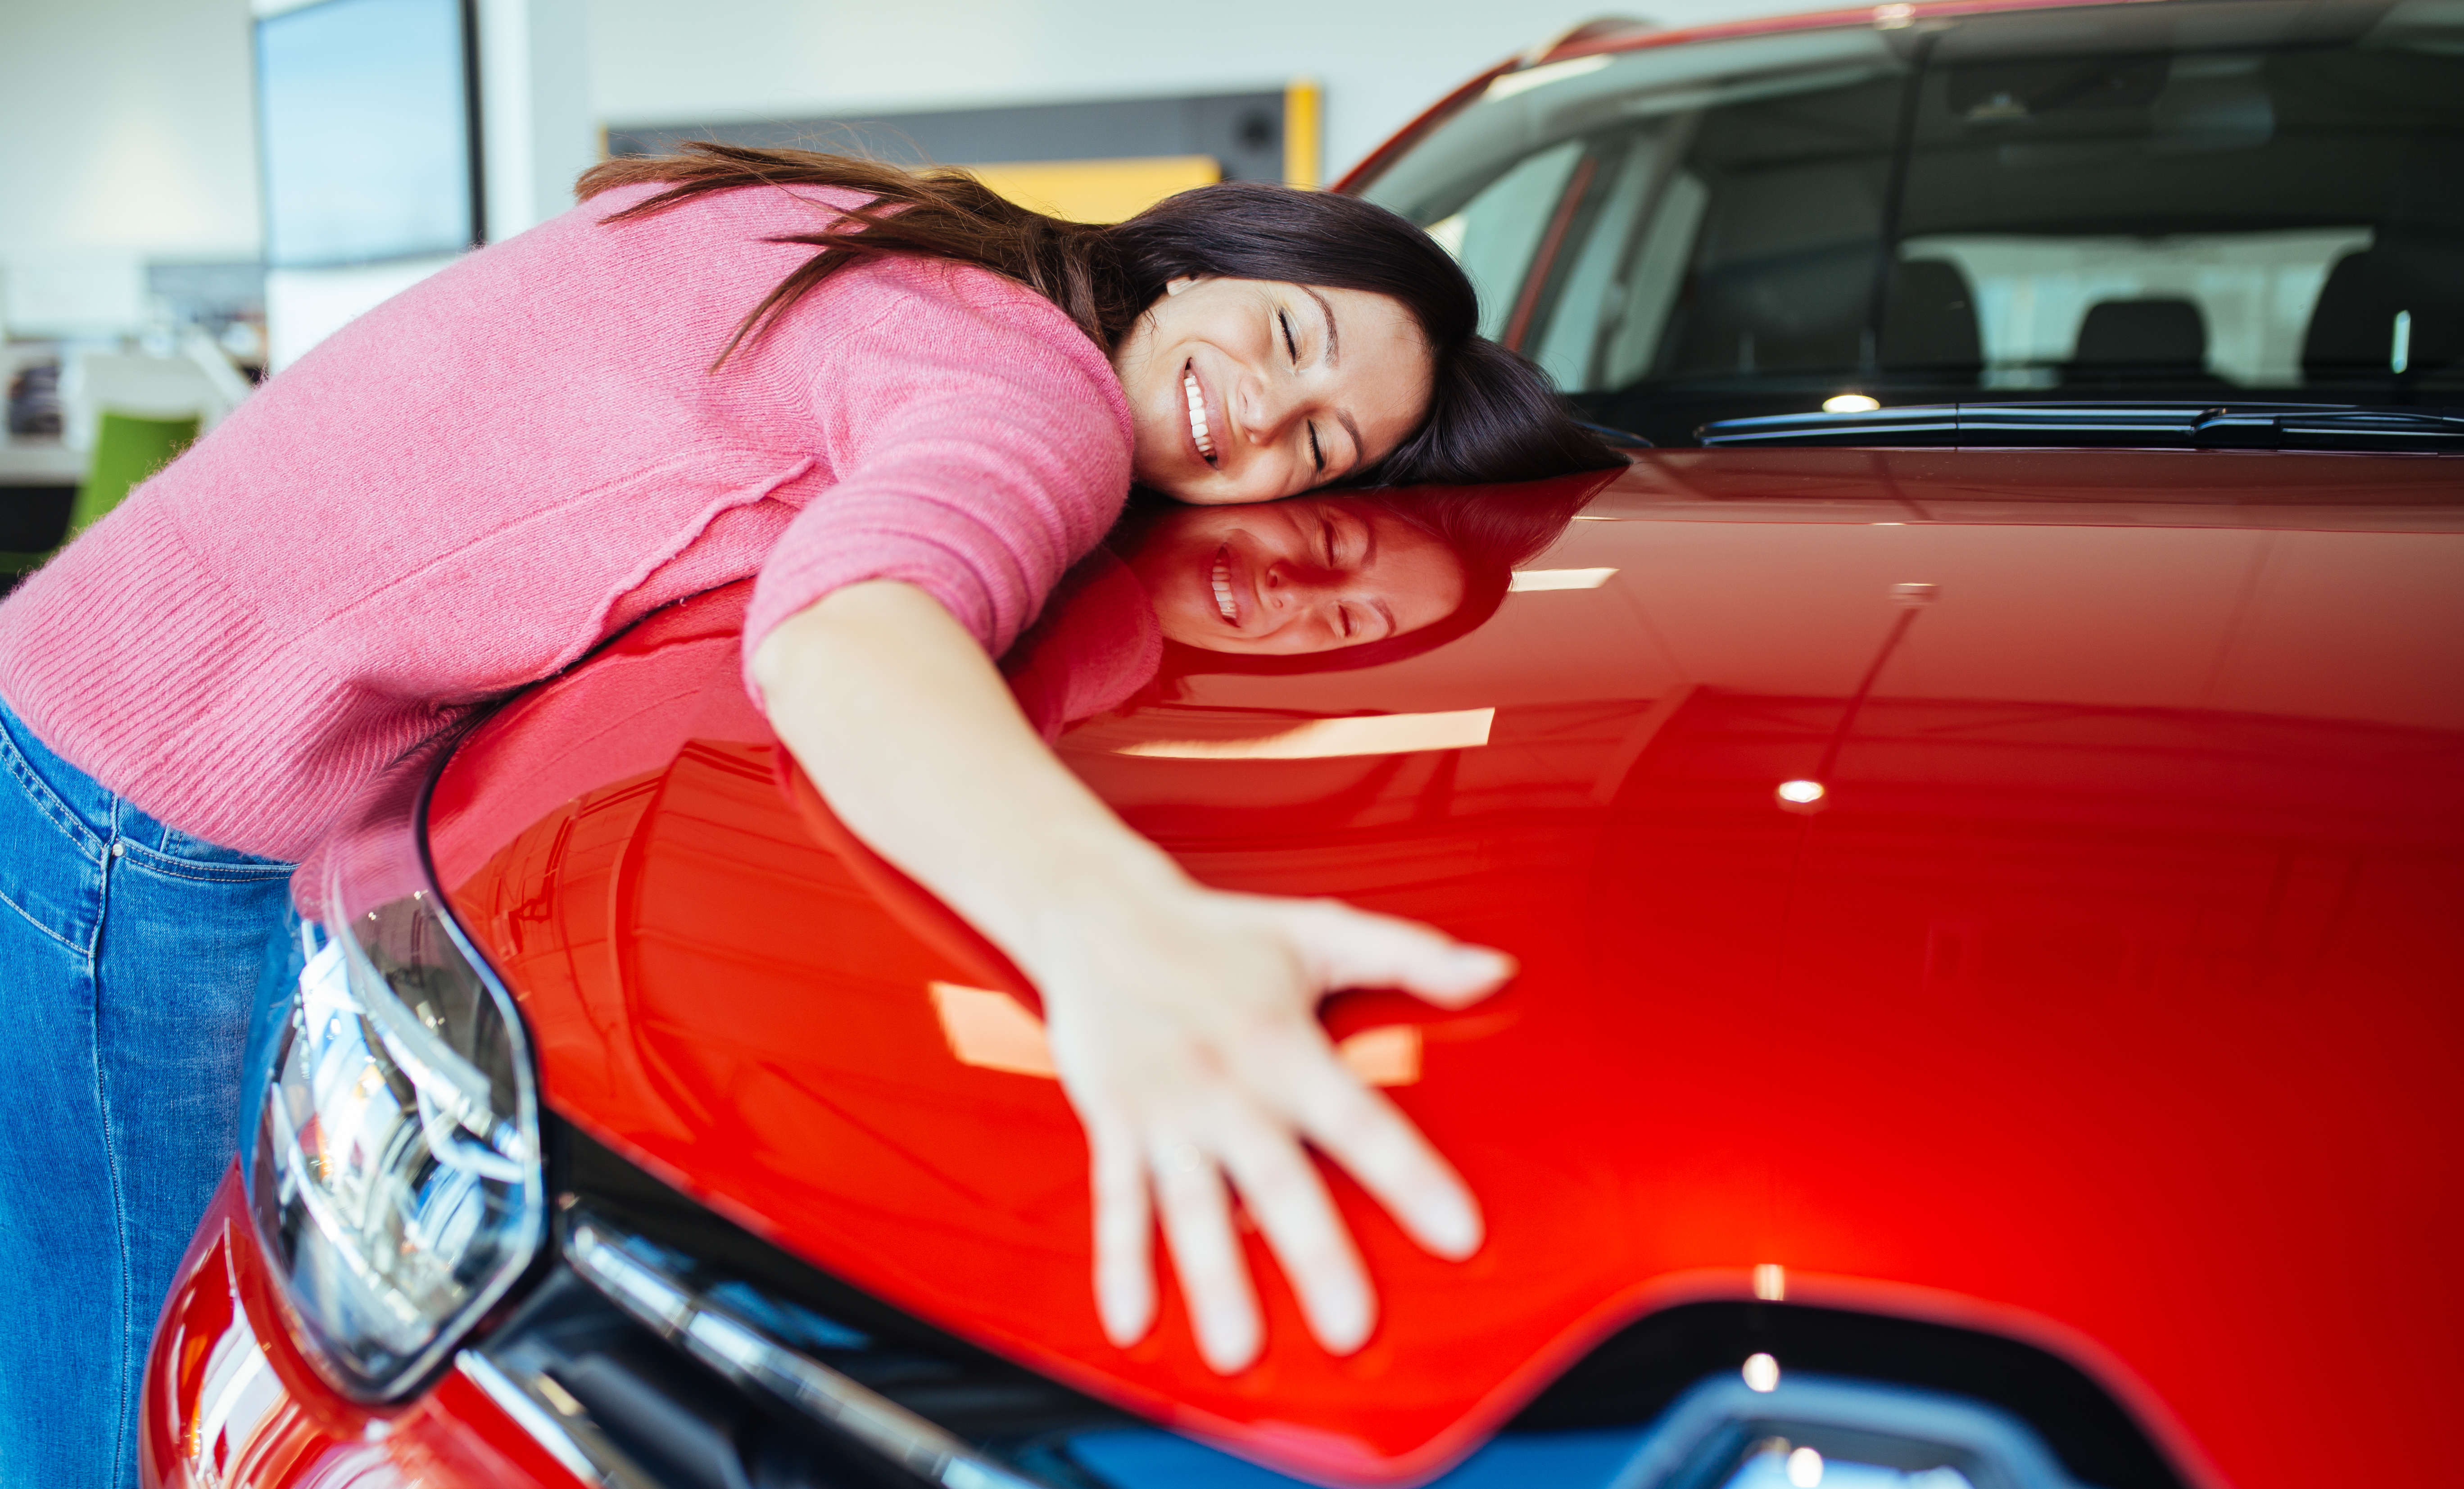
1985,872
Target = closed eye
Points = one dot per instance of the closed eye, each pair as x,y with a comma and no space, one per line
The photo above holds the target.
1289,344
1316,456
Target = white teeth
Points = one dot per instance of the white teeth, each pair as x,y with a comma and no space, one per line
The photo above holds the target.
1224,591
1197,416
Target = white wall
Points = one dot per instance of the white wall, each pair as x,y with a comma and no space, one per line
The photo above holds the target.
1382,62
130,129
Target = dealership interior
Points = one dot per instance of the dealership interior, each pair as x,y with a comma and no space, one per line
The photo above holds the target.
202,189
1424,744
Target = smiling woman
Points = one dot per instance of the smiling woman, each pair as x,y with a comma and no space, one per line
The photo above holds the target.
1328,341
1246,390
903,406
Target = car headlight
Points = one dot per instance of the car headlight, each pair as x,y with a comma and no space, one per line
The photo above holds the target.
393,1165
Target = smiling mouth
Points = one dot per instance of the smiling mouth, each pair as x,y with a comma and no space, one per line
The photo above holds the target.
1197,416
1223,578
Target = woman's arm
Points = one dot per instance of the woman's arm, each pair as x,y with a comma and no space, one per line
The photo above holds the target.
1183,1020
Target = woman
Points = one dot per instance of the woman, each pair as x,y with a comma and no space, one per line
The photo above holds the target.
906,405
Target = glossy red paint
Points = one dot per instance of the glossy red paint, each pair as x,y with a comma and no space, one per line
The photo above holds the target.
229,1400
2109,999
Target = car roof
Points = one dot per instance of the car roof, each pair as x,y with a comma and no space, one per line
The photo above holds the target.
1898,20
2104,996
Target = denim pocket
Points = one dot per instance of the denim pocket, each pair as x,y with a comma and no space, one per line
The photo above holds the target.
166,850
31,770
51,858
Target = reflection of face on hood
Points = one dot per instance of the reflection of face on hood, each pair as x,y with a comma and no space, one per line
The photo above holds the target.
1294,578
1311,584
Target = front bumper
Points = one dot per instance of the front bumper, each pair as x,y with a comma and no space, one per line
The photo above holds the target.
228,1400
620,1361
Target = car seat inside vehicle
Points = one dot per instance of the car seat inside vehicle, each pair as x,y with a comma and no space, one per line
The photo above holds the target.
1929,322
2394,309
2140,339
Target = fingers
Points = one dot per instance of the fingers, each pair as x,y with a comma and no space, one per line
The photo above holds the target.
1125,1296
1380,1147
1345,947
1197,1227
1293,1208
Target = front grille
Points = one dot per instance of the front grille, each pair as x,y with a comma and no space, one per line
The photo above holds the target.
667,1346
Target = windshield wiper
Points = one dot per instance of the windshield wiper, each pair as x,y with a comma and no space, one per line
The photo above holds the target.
2110,426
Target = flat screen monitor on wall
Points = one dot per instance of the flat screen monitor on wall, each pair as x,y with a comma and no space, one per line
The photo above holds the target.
367,119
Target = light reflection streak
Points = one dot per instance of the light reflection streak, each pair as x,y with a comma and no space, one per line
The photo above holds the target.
990,1030
1326,739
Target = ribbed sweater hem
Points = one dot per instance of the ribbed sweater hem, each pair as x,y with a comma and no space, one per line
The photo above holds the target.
127,692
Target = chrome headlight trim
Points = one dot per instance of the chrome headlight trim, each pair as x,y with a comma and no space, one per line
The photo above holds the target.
391,1158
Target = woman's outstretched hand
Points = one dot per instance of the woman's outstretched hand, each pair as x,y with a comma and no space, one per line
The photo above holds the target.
1185,1031
1183,1020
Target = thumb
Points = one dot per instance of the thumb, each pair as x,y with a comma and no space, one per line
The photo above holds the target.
1344,947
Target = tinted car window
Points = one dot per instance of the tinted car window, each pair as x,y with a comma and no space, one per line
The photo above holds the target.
2201,200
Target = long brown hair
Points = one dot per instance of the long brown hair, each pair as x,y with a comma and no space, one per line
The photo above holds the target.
1492,416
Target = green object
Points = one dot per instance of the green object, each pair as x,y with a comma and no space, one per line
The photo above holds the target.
126,450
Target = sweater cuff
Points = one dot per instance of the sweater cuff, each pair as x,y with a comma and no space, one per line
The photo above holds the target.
789,584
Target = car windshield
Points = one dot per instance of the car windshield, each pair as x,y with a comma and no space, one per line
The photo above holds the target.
2179,201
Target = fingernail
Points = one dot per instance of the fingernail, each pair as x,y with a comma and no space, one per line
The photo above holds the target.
1126,1312
1344,1319
1228,1338
1474,962
1451,1228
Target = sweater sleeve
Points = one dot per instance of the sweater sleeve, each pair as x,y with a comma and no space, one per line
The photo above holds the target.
980,445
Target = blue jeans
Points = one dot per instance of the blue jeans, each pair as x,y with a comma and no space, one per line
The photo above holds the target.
128,958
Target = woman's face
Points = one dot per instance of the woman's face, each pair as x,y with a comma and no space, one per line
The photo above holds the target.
1310,575
1251,389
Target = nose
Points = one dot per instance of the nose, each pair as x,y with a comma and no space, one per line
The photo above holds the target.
1267,410
1296,589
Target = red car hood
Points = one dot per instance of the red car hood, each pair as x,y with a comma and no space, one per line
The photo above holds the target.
2108,997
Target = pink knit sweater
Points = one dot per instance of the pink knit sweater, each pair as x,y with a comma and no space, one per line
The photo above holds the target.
469,486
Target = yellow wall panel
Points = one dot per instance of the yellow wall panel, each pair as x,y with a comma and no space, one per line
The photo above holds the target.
1098,190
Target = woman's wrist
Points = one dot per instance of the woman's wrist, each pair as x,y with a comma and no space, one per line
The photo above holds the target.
1075,902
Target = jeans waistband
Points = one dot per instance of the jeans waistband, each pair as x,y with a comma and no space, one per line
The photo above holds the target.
96,817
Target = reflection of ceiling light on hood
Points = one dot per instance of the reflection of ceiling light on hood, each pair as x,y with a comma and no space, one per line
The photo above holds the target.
1804,1469
1851,403
992,1030
1326,739
1761,1372
1530,579
1800,795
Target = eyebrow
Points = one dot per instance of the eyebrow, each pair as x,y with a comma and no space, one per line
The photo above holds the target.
1369,556
1334,339
1334,357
